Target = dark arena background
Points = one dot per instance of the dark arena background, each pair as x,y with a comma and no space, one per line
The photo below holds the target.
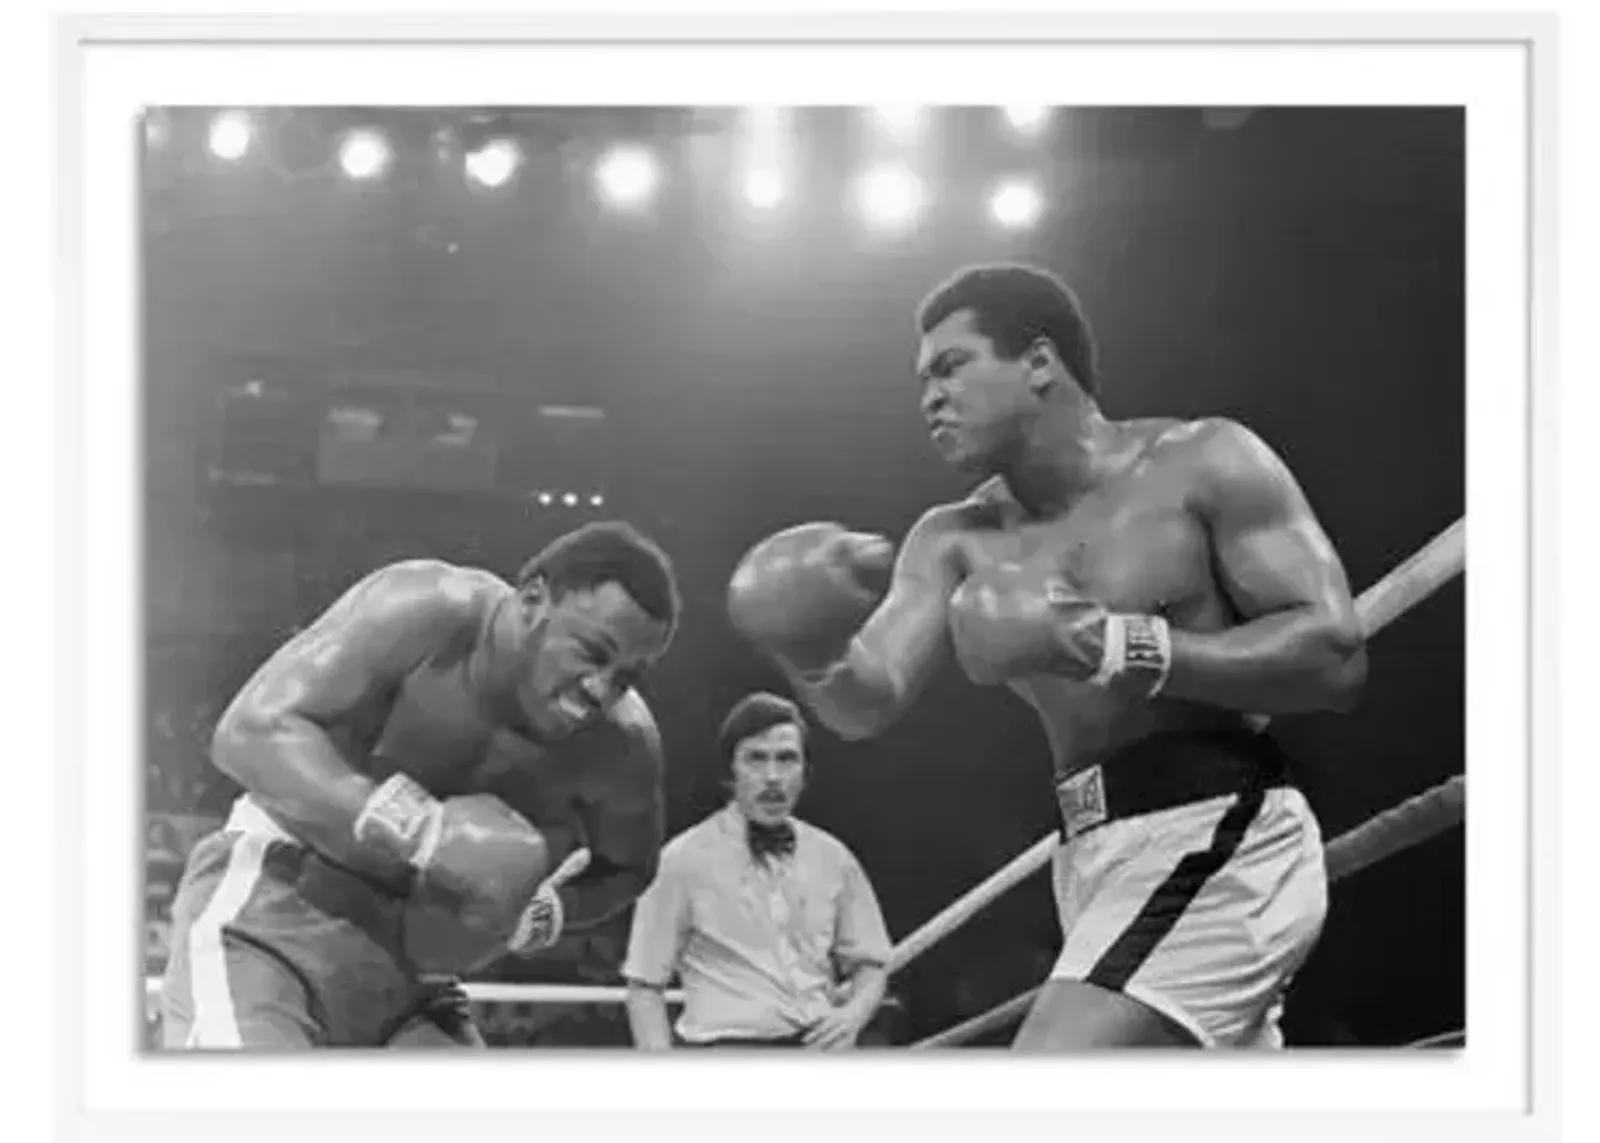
455,333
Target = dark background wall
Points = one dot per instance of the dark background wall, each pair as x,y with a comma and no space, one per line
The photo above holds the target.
1302,272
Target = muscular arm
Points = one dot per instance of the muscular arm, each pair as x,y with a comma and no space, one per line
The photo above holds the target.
273,738
901,644
1300,647
622,816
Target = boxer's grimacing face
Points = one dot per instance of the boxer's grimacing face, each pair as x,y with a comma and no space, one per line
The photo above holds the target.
977,405
582,651
769,773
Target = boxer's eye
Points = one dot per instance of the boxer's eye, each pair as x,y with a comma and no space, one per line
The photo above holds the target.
626,679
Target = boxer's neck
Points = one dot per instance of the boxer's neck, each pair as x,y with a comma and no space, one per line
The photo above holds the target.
490,670
1066,453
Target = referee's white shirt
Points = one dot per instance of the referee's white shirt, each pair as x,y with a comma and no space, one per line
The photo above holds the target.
757,945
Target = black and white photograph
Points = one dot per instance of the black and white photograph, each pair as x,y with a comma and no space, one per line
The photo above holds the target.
719,576
649,577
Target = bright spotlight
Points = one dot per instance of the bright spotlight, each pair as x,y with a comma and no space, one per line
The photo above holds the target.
157,127
627,176
597,500
230,135
902,122
494,163
570,500
1016,204
890,196
364,154
546,499
1027,119
763,189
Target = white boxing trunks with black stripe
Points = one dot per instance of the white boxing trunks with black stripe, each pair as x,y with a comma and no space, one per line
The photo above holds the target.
1199,904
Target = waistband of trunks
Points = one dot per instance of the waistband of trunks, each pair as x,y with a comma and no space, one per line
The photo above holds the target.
1167,770
290,860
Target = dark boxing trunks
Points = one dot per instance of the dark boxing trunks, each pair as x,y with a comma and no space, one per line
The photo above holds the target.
275,947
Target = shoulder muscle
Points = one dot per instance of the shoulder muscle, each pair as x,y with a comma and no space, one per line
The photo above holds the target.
1236,470
623,757
378,630
930,546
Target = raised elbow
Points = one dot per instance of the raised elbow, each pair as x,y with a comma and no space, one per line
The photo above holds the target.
852,731
231,742
866,717
859,725
1345,673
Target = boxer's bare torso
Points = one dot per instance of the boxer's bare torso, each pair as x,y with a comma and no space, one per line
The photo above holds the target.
1136,542
427,715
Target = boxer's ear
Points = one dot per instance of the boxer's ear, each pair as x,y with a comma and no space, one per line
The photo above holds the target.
1043,365
534,599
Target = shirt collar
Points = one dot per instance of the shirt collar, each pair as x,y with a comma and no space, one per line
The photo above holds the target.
732,823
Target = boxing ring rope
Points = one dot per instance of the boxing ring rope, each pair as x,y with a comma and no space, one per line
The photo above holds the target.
495,992
1411,822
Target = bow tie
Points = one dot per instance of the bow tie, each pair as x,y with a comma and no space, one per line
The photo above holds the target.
769,840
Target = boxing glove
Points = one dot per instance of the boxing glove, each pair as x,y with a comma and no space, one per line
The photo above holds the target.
477,864
1012,620
800,594
441,939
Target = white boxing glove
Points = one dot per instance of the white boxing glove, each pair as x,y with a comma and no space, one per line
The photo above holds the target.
539,927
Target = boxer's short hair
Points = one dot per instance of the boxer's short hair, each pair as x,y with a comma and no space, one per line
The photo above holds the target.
609,552
1015,305
755,714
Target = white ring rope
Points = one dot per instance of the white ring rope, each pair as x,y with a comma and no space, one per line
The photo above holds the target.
496,992
1412,822
1415,820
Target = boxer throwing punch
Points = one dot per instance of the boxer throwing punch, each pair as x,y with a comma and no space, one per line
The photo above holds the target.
1145,586
395,755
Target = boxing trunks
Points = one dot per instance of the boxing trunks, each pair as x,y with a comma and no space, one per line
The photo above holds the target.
1191,879
273,946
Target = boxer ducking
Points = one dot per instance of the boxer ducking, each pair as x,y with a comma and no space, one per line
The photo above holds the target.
443,767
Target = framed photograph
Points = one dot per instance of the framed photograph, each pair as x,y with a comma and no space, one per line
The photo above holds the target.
932,542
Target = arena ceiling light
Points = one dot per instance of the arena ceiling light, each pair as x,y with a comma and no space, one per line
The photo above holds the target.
364,154
1016,203
494,163
903,122
1027,119
890,196
763,188
157,127
231,132
627,176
